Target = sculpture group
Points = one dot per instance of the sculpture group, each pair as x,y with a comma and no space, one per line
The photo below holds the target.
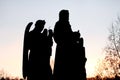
70,56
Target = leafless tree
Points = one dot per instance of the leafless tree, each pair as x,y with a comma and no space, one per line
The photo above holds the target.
111,63
112,50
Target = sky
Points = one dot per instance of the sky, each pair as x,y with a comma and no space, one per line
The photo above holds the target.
91,17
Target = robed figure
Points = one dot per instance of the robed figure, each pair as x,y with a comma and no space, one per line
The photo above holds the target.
70,53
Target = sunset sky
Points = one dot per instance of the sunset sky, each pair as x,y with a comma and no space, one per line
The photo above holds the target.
91,17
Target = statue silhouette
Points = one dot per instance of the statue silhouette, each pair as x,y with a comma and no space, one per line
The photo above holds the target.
70,54
36,52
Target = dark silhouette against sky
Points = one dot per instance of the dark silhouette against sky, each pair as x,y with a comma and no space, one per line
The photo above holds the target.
37,52
70,54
